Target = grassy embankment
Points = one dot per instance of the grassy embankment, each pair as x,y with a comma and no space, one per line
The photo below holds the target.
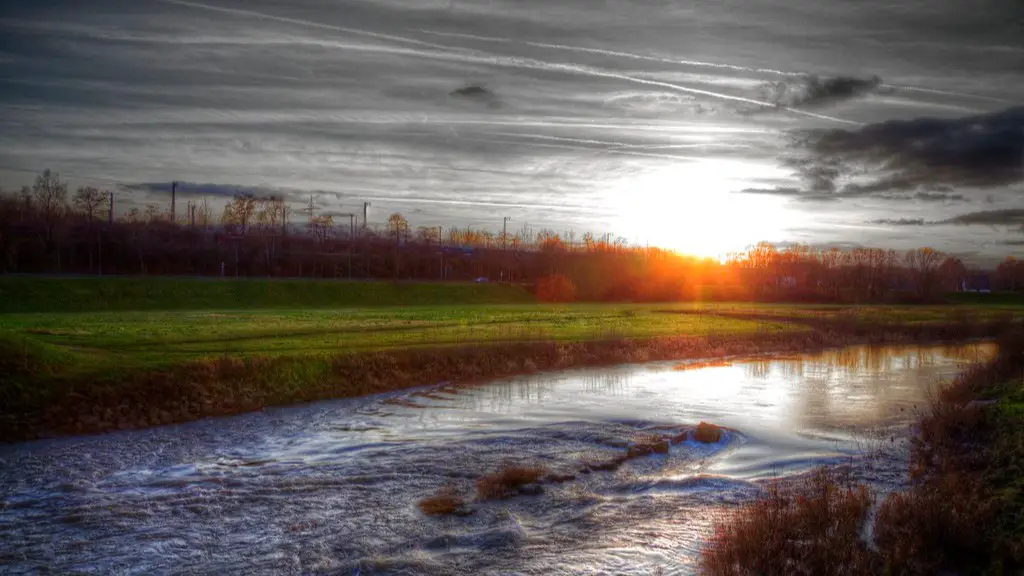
963,514
80,355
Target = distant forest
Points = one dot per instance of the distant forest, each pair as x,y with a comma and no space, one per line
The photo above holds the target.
46,229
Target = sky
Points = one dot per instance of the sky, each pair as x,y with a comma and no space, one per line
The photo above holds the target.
703,126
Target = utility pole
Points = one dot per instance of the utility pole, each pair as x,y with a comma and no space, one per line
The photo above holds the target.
504,245
440,249
110,207
351,239
174,194
366,213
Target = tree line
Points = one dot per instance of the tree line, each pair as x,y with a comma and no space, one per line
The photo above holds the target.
46,228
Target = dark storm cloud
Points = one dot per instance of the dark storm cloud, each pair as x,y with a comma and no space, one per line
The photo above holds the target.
893,183
1013,243
1007,217
811,91
900,221
981,151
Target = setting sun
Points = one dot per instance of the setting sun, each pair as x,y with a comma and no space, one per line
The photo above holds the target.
690,207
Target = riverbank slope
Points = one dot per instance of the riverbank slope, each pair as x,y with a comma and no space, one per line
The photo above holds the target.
106,360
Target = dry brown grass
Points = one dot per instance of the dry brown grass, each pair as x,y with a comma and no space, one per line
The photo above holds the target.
707,433
811,528
964,513
646,445
507,481
443,503
936,526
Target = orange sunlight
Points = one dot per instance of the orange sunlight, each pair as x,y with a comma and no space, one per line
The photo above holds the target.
692,208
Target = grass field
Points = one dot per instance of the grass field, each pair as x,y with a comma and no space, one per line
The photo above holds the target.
28,294
126,340
112,324
283,341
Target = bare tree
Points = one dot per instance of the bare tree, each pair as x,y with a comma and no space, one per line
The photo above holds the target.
1010,273
203,214
269,215
321,228
239,213
399,226
923,264
88,201
952,273
49,196
428,235
152,213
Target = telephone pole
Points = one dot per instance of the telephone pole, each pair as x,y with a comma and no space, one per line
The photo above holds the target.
504,233
440,249
174,194
351,239
366,213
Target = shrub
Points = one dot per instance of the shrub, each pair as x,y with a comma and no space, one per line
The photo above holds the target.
506,481
929,528
707,433
812,527
555,288
443,503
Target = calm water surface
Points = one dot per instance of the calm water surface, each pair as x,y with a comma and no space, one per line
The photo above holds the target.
331,488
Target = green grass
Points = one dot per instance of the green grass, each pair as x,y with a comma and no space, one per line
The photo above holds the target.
23,294
991,299
81,326
117,340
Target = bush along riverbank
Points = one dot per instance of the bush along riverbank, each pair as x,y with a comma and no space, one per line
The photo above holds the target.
36,403
963,513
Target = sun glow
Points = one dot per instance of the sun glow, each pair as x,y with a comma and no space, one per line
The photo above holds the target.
693,208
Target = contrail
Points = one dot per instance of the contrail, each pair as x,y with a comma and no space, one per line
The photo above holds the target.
946,93
616,146
612,151
605,52
307,23
508,62
421,200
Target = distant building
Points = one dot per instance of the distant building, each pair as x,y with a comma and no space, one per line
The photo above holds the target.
977,282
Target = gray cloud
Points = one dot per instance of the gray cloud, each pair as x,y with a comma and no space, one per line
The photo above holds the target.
811,90
983,150
939,197
1007,217
900,221
204,189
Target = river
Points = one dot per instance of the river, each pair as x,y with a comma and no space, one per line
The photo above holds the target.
332,487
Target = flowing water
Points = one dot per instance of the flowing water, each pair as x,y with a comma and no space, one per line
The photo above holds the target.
332,488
